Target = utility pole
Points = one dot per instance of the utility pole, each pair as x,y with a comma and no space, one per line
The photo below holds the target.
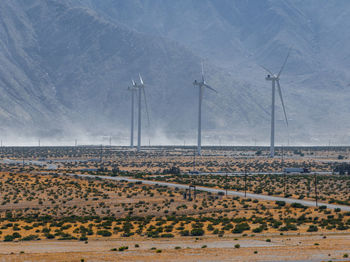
226,183
193,187
76,142
283,173
194,161
245,182
282,163
284,184
101,153
22,156
316,189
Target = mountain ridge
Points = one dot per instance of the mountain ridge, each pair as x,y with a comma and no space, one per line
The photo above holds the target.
65,67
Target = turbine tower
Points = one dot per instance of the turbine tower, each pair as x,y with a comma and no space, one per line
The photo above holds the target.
132,89
275,80
141,92
201,85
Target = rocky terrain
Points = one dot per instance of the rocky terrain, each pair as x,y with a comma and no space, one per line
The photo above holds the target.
65,67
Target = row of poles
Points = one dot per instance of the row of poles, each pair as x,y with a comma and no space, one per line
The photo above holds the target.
284,185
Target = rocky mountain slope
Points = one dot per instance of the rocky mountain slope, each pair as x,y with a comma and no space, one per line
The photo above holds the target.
65,67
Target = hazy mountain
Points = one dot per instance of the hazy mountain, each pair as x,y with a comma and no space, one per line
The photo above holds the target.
65,67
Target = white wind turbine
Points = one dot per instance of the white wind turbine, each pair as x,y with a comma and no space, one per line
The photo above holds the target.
141,92
201,85
132,89
275,79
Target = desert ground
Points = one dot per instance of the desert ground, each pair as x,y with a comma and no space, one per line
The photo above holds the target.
334,247
49,213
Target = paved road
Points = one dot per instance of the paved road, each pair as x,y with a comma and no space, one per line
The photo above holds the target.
256,173
215,190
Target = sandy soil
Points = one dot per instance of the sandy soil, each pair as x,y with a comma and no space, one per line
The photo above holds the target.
281,248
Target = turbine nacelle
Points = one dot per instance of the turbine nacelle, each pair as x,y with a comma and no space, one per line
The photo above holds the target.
203,83
133,87
133,83
271,77
198,83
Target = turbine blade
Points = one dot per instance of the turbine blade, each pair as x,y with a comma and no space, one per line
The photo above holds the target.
209,87
280,94
267,70
141,79
285,61
133,82
146,105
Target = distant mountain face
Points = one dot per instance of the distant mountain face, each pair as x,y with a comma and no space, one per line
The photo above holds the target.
65,67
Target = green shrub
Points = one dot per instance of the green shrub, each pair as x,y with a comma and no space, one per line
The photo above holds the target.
30,237
197,232
16,235
258,229
165,235
83,238
49,236
280,203
312,228
185,233
104,233
123,248
288,227
240,228
8,238
298,205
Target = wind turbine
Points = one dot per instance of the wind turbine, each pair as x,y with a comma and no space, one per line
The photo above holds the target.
201,85
132,89
275,80
141,92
